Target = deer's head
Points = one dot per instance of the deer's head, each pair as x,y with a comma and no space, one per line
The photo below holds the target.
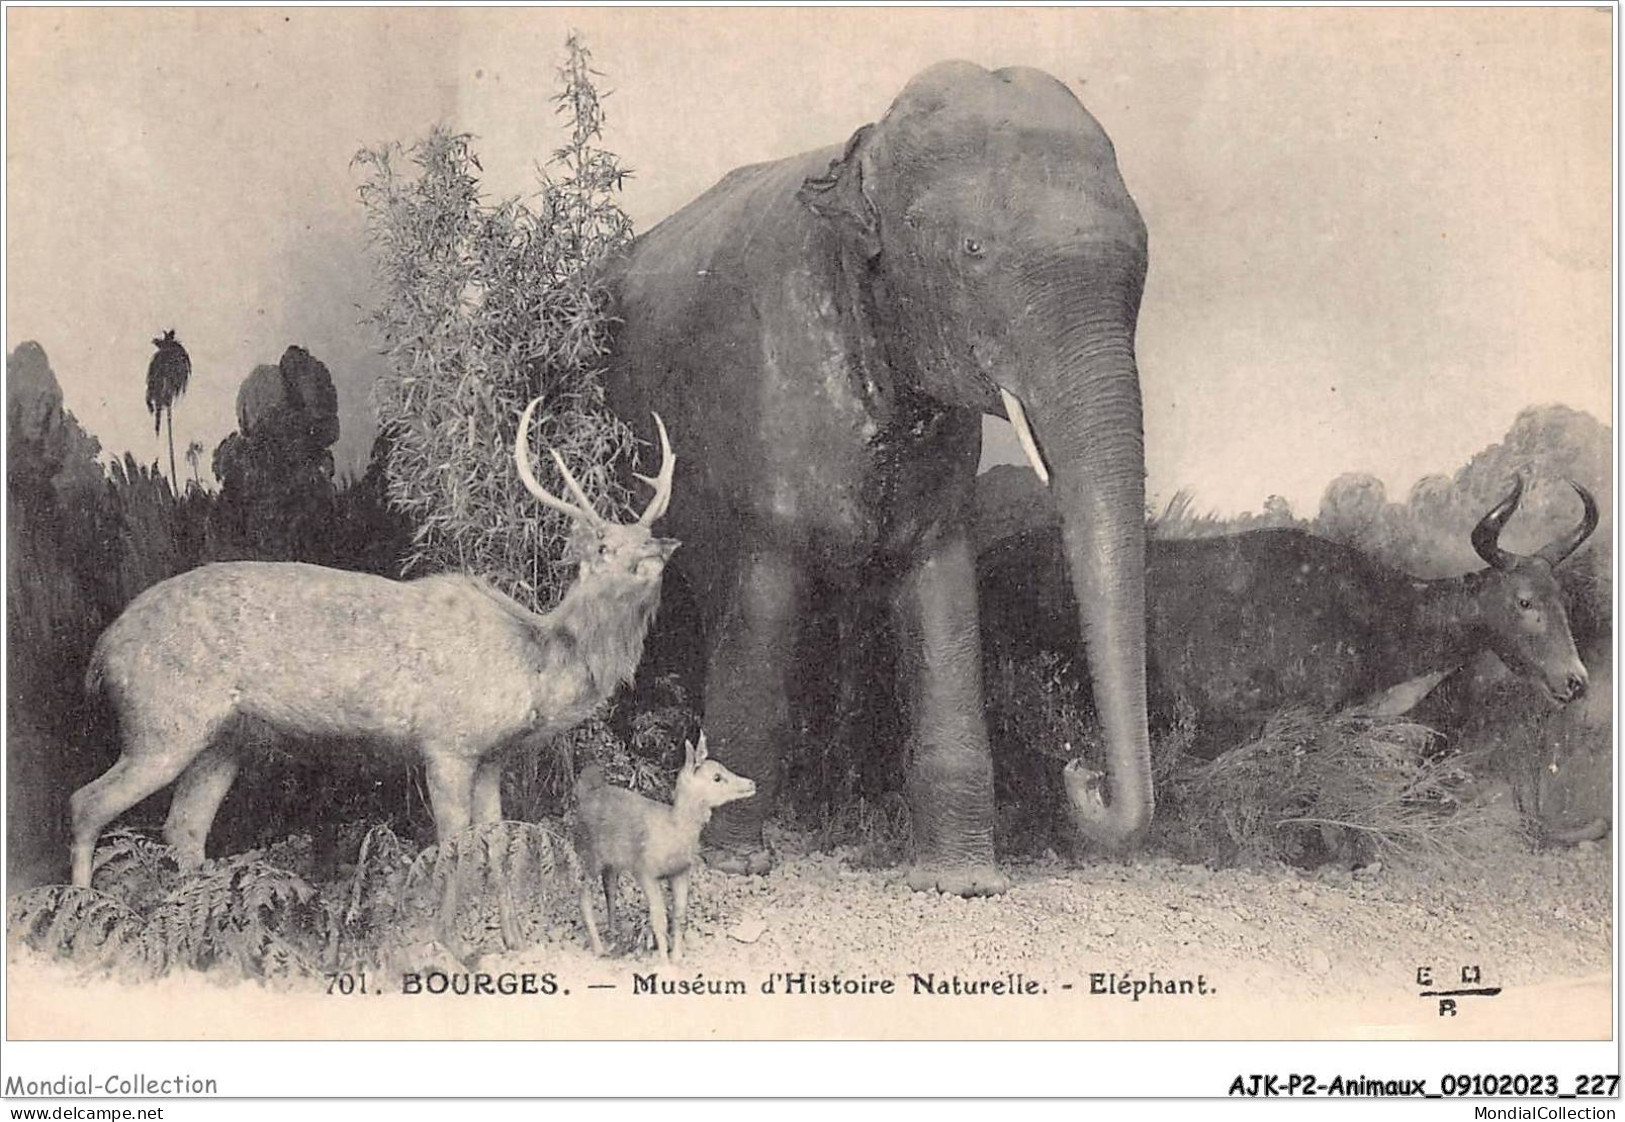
606,547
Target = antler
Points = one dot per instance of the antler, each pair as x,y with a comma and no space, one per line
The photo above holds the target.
1487,534
662,482
521,458
1556,552
582,508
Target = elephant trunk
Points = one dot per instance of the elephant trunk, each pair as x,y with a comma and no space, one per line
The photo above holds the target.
1090,429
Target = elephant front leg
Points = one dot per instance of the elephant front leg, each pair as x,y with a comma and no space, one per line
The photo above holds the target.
747,711
950,781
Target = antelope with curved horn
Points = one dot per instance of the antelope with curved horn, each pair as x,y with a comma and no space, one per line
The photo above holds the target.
1242,625
446,666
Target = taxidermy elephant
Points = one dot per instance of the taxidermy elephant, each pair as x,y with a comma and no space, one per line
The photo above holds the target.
823,334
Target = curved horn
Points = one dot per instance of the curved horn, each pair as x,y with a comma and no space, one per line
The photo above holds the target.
521,459
1556,552
662,482
1487,534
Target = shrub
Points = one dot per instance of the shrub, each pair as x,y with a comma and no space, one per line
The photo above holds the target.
484,306
1311,787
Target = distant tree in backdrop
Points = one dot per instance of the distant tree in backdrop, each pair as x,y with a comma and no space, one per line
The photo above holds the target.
276,470
194,456
167,375
483,306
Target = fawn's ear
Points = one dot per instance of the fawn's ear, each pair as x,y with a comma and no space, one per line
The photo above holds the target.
701,752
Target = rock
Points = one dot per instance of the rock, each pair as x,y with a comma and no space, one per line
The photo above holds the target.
1306,898
1106,930
747,930
1319,961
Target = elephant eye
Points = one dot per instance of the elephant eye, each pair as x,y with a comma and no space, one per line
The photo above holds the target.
1525,603
973,248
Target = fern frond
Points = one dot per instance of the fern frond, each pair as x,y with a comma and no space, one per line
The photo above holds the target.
82,925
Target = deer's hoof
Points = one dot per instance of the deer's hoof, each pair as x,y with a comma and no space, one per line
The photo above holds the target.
739,862
958,880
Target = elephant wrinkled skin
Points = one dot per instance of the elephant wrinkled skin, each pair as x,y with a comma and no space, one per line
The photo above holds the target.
823,334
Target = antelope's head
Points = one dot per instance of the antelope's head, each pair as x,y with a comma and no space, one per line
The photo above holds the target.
606,547
1520,603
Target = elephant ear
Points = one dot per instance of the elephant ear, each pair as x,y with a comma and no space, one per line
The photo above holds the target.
841,195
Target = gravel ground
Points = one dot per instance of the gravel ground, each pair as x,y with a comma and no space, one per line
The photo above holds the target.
1534,916
1283,953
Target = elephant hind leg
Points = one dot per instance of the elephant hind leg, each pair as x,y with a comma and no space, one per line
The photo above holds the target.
747,709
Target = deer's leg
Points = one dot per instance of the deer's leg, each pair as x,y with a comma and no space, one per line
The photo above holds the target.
451,794
198,795
747,712
950,782
154,754
451,791
679,911
657,914
586,913
488,791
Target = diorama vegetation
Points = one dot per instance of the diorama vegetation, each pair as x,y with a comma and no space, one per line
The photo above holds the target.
1484,754
484,305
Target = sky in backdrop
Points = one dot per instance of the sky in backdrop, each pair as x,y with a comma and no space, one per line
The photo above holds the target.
1376,234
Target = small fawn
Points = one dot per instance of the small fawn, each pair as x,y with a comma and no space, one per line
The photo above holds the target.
619,829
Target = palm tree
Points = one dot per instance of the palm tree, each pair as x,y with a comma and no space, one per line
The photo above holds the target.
167,375
194,453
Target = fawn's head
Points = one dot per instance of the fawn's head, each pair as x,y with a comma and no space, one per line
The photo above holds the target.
605,547
707,782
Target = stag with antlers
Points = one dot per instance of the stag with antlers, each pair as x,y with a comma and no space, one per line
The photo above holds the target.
446,666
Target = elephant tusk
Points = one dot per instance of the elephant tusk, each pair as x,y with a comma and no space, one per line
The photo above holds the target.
1024,433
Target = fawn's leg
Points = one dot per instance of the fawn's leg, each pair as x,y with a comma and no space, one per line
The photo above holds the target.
197,798
586,913
610,876
657,914
679,911
751,631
